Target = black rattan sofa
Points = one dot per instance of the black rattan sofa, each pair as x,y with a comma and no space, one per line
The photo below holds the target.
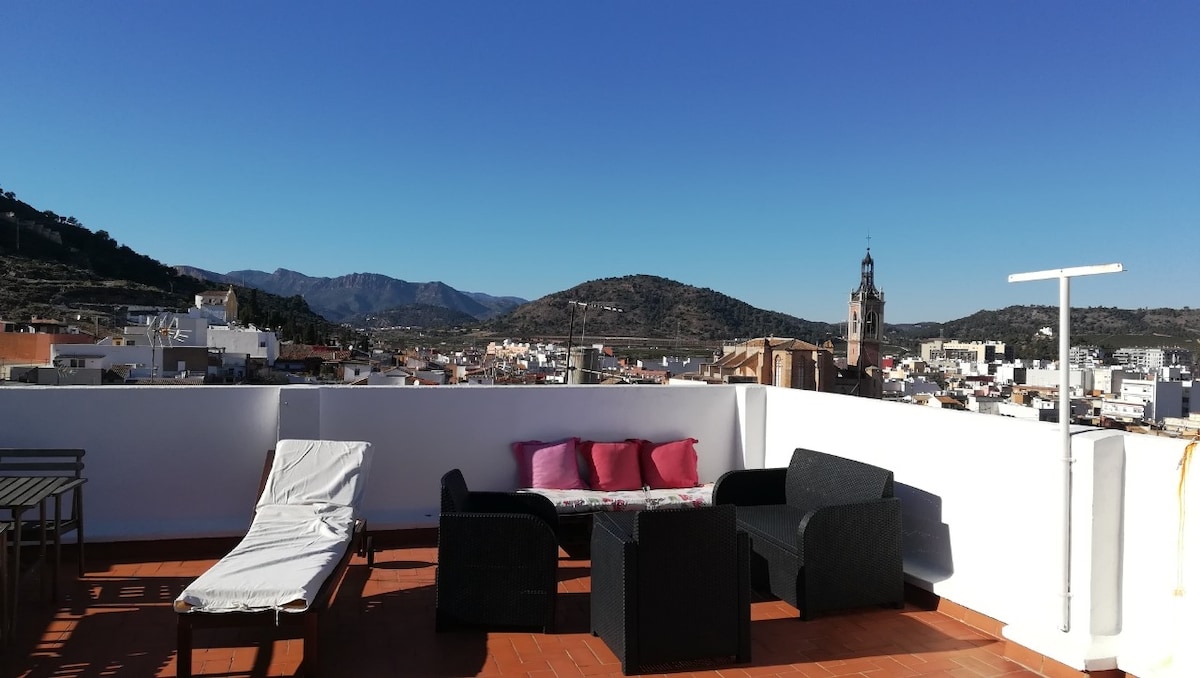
497,558
671,587
825,531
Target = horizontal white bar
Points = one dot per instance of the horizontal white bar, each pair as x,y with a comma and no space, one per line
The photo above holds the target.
1066,272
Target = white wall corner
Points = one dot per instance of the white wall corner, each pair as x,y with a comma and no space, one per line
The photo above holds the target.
1097,498
752,425
1080,651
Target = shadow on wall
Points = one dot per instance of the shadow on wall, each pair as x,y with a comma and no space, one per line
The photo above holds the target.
928,558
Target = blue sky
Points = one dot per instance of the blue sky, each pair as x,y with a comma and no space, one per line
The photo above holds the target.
521,148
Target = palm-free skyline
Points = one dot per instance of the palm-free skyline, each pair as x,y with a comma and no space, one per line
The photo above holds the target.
523,148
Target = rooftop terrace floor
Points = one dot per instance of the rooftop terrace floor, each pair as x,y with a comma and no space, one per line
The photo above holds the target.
118,621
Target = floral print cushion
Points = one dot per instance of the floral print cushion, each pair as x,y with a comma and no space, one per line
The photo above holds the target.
592,501
680,498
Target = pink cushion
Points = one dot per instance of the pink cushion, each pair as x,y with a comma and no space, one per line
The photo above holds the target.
612,466
669,465
551,466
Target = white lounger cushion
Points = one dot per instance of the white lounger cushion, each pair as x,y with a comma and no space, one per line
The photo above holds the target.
281,563
291,548
317,472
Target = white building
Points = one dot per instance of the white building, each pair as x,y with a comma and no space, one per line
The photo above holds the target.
1010,373
1148,360
1108,379
907,388
1037,410
155,344
257,345
1086,356
673,365
1081,379
219,306
1146,400
938,350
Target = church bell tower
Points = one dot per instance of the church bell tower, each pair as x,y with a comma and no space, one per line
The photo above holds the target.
865,330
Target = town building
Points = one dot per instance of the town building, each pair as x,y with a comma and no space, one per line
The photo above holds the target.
1086,356
787,363
1145,401
793,363
953,351
29,345
219,306
1146,360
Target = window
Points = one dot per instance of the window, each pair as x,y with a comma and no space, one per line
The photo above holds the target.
777,380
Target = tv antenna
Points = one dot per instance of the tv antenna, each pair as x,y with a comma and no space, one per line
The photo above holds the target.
162,333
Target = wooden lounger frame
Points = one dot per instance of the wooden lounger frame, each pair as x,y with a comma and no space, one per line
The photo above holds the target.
310,618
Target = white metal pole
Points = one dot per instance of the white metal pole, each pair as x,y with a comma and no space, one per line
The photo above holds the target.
1064,425
1064,276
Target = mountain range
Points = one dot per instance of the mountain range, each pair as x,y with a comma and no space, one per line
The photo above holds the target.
53,266
342,298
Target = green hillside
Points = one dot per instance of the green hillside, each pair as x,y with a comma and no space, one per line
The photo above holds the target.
55,267
653,307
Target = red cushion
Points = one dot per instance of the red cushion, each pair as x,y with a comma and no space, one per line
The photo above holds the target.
669,465
551,466
612,466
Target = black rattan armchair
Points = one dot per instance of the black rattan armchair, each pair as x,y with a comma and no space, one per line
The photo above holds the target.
497,558
671,587
825,532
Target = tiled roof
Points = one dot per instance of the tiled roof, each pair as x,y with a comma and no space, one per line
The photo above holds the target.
304,351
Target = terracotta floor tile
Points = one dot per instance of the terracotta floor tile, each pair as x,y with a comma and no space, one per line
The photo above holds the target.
118,620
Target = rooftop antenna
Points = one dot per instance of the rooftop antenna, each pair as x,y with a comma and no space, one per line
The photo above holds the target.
162,333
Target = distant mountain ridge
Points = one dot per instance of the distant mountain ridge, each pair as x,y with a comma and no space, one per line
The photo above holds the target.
654,307
1092,320
55,267
345,297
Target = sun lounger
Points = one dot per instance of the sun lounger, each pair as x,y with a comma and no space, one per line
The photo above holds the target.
294,554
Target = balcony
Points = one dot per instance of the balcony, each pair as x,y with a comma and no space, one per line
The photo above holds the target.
174,471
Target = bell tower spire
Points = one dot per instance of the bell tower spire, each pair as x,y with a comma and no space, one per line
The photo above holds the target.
865,330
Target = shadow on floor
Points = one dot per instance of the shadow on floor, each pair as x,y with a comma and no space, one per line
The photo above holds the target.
101,626
381,623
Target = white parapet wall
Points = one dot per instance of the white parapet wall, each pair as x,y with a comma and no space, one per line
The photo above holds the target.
422,433
181,462
982,498
161,461
987,488
1160,566
982,495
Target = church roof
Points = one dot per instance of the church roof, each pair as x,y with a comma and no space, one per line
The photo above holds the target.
783,343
